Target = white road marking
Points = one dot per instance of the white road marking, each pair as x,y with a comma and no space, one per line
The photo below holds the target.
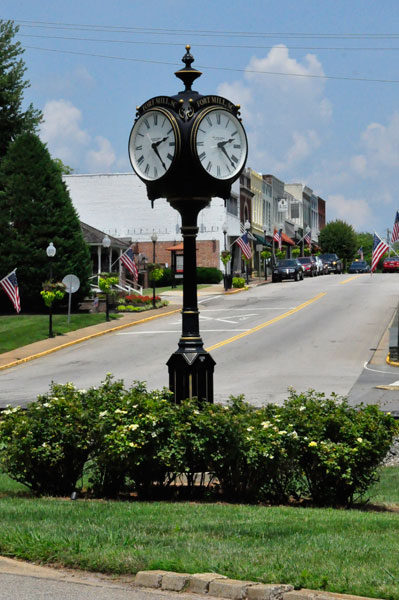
375,370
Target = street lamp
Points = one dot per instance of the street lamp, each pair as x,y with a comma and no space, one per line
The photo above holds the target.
224,229
50,251
264,262
106,243
247,227
154,238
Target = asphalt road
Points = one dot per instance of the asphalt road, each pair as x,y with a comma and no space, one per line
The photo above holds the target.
316,334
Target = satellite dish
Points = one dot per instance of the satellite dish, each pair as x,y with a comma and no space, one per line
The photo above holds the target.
72,283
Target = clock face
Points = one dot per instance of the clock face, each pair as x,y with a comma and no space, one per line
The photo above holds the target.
220,143
153,144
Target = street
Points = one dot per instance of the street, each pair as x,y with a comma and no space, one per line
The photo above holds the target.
315,334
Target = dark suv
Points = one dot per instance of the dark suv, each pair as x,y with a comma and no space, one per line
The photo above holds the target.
332,261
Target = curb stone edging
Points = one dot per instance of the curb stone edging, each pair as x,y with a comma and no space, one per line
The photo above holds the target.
220,586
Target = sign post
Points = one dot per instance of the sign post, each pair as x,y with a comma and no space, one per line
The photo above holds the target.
72,284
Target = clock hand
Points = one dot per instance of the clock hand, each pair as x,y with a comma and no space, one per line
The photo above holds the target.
223,149
156,144
154,147
221,144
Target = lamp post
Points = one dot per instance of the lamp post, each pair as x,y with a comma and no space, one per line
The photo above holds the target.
264,262
50,251
106,243
247,227
154,238
224,229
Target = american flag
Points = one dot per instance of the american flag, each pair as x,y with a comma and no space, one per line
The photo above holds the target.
10,285
278,237
308,238
395,230
360,253
127,259
379,248
245,245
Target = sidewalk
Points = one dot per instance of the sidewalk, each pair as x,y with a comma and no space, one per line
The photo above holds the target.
49,345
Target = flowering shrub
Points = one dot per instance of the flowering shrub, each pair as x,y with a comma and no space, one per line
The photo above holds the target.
136,440
339,447
52,291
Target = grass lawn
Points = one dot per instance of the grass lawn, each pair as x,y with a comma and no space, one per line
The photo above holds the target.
160,290
348,551
20,330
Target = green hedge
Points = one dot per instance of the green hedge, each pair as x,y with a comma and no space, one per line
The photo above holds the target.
133,440
204,275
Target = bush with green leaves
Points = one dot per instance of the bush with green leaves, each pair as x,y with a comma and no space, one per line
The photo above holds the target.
339,447
238,282
135,440
46,446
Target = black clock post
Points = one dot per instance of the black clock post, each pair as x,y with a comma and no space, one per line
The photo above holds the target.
188,148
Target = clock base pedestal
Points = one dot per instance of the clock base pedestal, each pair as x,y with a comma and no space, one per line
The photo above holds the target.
191,376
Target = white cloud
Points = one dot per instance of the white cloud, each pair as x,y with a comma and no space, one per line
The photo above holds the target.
355,211
75,146
286,115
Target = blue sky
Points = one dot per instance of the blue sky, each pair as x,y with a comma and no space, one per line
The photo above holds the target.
304,72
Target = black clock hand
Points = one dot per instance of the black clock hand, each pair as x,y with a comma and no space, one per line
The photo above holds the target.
223,149
154,147
221,144
156,144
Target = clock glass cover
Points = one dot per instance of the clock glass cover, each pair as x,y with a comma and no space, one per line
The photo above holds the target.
153,144
220,143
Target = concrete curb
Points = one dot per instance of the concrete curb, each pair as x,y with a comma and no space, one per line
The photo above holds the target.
85,338
219,586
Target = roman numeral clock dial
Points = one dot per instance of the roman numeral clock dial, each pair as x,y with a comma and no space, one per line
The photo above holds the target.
219,143
153,144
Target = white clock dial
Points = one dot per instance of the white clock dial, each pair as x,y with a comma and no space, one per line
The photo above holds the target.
153,144
220,143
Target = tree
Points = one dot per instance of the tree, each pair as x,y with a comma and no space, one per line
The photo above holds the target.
365,241
13,119
36,209
340,238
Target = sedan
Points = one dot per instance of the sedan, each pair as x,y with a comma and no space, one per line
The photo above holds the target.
359,266
390,264
288,268
308,265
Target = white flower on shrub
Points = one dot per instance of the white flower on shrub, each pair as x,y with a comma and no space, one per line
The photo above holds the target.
312,444
103,413
265,424
119,411
133,427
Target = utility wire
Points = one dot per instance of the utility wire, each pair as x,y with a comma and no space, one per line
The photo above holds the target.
199,32
157,62
201,45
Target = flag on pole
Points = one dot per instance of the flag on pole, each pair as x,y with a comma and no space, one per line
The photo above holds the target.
278,237
360,253
308,238
245,245
127,259
379,248
395,230
10,285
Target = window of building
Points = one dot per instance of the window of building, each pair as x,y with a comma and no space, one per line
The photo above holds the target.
232,206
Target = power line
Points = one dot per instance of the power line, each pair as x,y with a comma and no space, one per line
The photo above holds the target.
199,32
157,62
201,45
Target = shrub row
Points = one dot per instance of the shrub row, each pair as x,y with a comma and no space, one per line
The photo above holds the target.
134,440
204,275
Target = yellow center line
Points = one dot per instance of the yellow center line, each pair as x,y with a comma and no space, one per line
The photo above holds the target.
267,323
350,279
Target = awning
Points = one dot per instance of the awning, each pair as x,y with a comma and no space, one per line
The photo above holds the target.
175,248
287,240
262,240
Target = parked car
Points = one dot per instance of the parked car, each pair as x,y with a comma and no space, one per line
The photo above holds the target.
332,261
288,268
308,265
390,264
359,266
322,269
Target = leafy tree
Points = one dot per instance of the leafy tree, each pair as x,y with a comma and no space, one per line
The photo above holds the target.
65,169
35,210
13,119
365,241
340,238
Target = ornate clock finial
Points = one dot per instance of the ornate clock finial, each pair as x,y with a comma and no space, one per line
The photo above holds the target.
188,75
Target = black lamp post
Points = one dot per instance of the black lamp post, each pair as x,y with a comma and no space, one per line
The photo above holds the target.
247,227
188,148
50,251
154,238
265,261
224,229
106,243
